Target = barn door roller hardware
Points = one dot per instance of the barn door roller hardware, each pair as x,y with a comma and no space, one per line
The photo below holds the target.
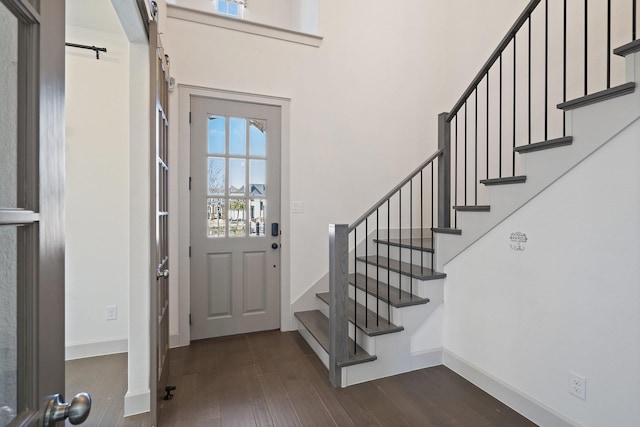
97,50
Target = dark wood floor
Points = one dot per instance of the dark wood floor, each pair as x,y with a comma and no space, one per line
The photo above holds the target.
105,379
274,379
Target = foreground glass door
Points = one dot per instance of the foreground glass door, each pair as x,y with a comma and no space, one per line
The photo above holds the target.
8,204
32,216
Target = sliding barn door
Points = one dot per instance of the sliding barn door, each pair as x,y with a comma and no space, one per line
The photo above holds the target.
159,63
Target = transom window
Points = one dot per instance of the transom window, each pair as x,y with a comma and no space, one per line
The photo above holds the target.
233,8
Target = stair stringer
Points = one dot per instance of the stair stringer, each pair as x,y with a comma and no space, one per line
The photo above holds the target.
591,126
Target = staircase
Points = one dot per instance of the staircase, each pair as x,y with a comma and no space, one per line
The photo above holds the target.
382,315
387,268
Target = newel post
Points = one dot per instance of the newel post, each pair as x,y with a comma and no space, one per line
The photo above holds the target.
339,294
444,171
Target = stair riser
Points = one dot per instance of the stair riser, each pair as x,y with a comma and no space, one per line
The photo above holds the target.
381,305
408,255
313,343
371,245
396,233
365,341
419,286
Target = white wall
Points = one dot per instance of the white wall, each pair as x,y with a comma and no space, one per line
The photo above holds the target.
97,197
569,302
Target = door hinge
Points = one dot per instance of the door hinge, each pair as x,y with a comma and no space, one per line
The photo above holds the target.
189,319
189,183
189,251
189,116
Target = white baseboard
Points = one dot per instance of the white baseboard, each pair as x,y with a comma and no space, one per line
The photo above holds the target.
137,403
516,400
426,359
174,341
96,348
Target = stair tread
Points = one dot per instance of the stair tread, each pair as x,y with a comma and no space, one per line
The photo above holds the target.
455,231
425,244
603,95
473,208
506,180
544,145
628,48
415,271
372,329
398,298
318,326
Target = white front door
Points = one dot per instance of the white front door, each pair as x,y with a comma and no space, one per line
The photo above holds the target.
235,216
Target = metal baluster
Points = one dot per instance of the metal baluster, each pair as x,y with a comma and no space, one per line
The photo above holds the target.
633,20
422,218
475,139
400,252
388,256
455,174
487,157
564,73
529,80
500,125
432,214
515,86
378,267
608,44
410,234
355,267
586,44
366,283
546,70
465,153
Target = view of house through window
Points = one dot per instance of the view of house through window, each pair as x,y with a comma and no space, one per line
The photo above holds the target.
237,164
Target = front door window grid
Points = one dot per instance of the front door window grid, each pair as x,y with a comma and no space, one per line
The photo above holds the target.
236,182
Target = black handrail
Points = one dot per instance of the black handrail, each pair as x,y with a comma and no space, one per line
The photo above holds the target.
524,16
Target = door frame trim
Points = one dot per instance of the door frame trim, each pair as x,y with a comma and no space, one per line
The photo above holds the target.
181,204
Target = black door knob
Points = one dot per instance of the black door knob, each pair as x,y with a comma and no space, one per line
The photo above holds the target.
274,246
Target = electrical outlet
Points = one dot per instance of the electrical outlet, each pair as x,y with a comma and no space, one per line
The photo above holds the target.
578,385
112,312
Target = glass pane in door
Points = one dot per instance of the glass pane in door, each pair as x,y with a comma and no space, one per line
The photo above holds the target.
237,136
8,324
217,135
8,108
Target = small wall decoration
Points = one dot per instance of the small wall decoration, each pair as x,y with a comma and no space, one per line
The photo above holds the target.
518,241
